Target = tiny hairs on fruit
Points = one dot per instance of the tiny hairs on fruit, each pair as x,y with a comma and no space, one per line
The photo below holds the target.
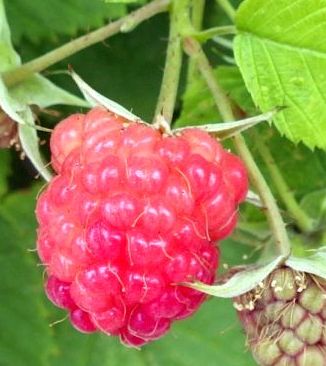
130,216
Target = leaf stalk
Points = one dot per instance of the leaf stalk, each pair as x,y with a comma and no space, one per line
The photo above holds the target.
214,32
179,25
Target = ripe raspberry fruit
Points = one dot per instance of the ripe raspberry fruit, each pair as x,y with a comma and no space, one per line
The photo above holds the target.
130,214
285,319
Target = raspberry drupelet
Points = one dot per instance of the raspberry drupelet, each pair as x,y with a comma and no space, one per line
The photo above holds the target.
130,215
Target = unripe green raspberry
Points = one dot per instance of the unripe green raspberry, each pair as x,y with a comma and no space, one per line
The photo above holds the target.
284,318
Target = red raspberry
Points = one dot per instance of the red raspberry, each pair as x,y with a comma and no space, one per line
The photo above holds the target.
130,215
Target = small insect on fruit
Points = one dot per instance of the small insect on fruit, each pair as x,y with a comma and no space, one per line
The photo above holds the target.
130,215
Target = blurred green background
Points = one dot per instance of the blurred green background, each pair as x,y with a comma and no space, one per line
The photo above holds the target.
128,69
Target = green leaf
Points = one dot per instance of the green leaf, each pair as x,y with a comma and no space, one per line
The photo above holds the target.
42,92
59,17
30,143
213,337
314,264
22,114
198,104
241,282
4,171
9,58
281,55
26,129
25,338
314,204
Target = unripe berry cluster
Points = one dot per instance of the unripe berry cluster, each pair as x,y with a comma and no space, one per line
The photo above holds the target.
285,319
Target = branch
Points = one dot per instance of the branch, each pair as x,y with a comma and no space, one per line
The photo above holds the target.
197,16
169,87
214,32
124,24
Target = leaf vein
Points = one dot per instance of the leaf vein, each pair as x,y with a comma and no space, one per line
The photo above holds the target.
289,46
281,11
295,104
305,18
273,67
315,84
258,83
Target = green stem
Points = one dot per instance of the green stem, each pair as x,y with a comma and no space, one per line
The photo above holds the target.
228,8
173,63
197,16
124,24
272,211
304,222
213,32
193,48
227,43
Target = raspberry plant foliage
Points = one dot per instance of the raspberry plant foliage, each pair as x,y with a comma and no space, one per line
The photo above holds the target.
272,81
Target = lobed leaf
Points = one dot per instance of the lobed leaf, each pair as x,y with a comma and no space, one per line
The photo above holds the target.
281,53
